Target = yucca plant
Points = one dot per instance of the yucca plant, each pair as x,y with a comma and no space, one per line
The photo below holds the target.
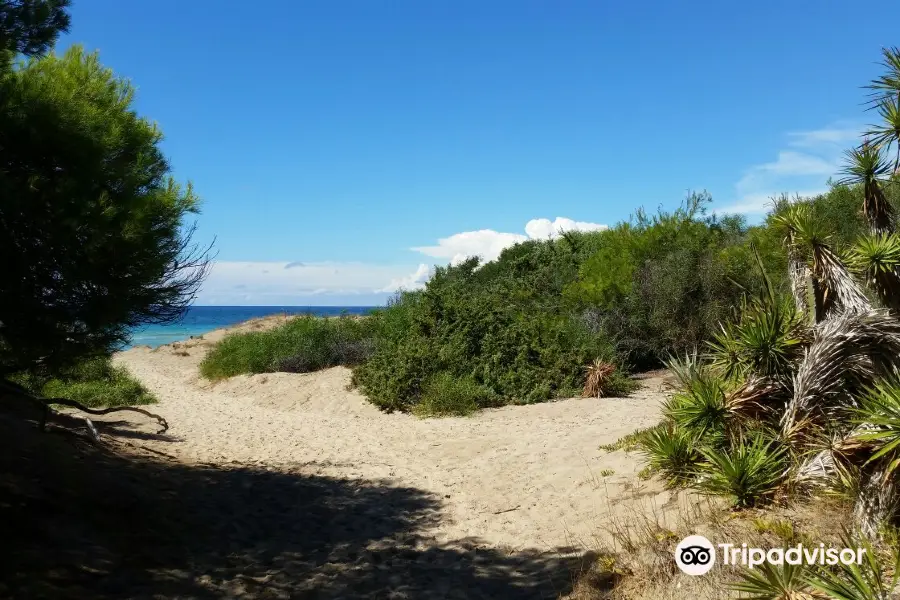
749,473
766,342
877,258
775,582
687,368
888,83
879,414
701,409
885,97
867,166
834,288
672,452
875,578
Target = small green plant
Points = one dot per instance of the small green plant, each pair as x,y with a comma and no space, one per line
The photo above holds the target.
627,443
607,472
876,578
672,452
748,473
783,529
774,582
701,409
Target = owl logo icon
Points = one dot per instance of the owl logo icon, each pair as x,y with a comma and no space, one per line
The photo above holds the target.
695,555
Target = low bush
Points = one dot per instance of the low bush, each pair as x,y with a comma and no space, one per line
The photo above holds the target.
94,383
445,395
301,345
493,328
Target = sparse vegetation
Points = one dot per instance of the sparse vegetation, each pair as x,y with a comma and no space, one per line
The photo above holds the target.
94,383
303,344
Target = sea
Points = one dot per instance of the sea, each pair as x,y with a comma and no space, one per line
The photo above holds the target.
203,319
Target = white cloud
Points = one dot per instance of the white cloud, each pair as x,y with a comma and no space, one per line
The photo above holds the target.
802,168
545,228
413,281
762,202
295,283
844,136
488,244
355,283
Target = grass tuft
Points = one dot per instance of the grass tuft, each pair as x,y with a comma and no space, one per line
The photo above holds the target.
95,383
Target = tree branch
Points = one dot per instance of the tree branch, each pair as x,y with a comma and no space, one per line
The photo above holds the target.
44,403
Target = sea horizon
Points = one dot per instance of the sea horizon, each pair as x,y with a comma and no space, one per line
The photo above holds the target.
201,319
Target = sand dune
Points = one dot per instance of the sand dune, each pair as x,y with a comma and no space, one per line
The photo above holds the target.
518,476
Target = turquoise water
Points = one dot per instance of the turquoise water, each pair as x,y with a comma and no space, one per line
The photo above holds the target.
203,319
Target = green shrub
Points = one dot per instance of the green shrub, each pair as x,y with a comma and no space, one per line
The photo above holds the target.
95,383
301,345
501,326
446,395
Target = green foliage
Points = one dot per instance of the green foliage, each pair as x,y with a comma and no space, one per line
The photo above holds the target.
31,27
503,326
659,285
875,254
301,345
880,407
749,472
629,442
446,395
94,383
875,579
766,340
92,227
700,409
774,582
672,452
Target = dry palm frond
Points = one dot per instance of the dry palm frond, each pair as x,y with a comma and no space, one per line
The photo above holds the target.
848,350
840,290
598,375
877,499
799,275
867,166
756,396
837,454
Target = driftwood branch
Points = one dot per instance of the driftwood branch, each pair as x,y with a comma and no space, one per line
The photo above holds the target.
45,403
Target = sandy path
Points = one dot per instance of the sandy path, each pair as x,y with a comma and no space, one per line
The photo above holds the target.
518,477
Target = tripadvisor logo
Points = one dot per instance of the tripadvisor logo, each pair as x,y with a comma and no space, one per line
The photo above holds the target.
696,555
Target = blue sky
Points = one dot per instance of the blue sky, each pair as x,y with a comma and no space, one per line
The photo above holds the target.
344,147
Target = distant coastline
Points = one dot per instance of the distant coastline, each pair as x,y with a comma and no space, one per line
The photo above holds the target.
200,320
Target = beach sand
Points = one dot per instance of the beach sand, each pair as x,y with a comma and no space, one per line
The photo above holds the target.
506,500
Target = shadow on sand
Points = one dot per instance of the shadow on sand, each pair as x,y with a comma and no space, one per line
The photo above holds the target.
85,522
